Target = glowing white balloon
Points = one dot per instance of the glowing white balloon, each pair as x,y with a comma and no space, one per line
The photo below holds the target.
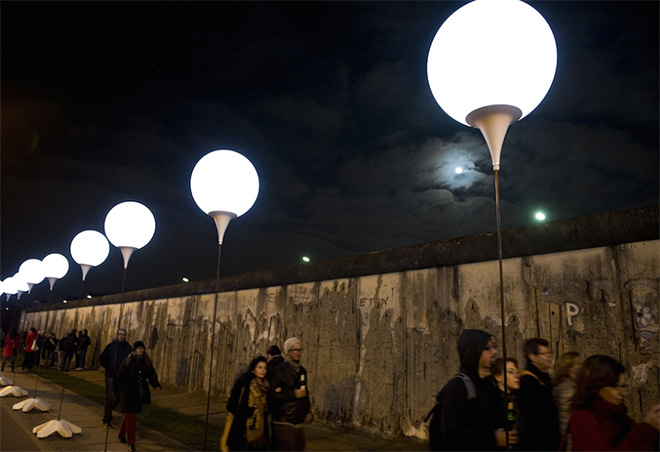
56,266
225,185
32,272
490,64
89,249
20,284
129,226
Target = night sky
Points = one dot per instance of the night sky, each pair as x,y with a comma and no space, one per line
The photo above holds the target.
104,102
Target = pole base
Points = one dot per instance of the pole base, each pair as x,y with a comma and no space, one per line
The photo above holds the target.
65,428
28,404
13,391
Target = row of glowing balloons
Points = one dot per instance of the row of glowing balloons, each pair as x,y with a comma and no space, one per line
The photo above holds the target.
224,184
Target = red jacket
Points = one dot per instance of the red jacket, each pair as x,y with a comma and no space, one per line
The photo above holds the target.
603,423
29,341
11,345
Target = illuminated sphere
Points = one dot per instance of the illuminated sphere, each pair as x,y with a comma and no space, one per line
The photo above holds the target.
32,271
491,52
224,181
8,286
55,266
90,248
20,284
130,224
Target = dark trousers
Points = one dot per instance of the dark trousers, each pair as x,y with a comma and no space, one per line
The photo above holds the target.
111,398
29,360
288,437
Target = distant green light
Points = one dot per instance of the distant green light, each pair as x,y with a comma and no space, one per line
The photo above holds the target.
305,259
540,216
184,279
89,296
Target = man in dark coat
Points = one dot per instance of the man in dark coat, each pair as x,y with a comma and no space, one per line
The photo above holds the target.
473,419
111,358
539,423
289,399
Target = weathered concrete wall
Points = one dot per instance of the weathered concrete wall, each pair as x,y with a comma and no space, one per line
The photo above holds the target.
379,346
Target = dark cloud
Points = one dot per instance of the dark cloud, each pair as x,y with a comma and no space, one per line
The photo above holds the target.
330,102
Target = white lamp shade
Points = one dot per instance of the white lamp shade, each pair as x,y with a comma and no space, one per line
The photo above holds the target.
55,265
224,181
492,52
130,224
90,248
20,284
32,271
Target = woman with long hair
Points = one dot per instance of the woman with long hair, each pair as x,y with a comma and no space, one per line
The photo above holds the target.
134,376
564,387
249,408
11,347
599,420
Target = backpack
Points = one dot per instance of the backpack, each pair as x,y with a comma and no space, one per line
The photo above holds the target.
435,426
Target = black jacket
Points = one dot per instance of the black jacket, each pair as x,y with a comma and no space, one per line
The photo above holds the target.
237,404
113,355
471,424
539,423
282,399
133,378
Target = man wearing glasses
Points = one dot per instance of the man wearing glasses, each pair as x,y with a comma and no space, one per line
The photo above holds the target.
539,423
289,399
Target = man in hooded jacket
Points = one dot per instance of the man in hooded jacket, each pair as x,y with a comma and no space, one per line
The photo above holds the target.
476,422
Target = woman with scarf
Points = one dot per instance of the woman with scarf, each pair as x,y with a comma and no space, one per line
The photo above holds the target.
134,376
249,409
599,420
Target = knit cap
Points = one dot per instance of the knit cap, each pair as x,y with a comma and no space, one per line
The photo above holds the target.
289,343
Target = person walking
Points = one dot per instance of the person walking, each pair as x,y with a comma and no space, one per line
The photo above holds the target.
50,347
68,347
81,349
539,426
469,405
512,386
563,389
135,375
248,429
111,358
600,420
30,353
11,347
275,358
289,399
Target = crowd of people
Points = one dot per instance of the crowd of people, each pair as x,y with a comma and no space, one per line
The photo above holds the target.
267,406
41,349
489,405
581,409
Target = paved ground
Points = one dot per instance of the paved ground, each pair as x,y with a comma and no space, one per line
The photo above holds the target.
17,426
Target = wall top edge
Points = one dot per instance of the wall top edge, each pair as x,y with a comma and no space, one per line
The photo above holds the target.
592,231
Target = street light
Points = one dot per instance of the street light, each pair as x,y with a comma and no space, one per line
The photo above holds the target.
225,185
490,64
129,226
89,249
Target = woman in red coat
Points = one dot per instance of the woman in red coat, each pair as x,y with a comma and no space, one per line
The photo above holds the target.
599,420
11,347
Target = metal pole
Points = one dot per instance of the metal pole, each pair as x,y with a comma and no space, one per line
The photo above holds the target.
499,251
215,310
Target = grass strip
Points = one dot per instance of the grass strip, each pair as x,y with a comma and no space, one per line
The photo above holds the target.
185,429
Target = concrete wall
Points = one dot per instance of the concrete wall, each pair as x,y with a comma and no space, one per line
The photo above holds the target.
380,345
